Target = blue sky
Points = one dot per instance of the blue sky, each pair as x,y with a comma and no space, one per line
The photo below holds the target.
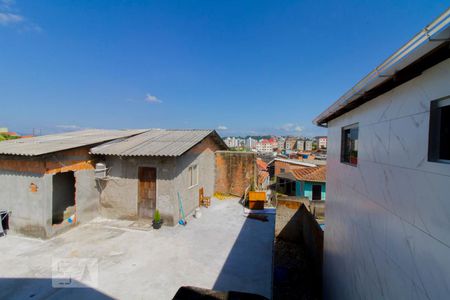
252,67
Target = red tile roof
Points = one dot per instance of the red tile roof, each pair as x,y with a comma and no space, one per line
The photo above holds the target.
262,166
315,174
262,176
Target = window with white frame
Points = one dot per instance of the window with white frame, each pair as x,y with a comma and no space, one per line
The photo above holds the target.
193,175
439,135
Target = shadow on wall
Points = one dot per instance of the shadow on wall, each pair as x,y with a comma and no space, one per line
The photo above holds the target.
248,267
41,288
302,227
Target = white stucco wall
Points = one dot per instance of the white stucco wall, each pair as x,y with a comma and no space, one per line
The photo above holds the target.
388,219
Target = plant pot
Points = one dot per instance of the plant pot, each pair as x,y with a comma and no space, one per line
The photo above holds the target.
157,225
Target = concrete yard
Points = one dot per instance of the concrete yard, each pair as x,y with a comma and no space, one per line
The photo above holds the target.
222,250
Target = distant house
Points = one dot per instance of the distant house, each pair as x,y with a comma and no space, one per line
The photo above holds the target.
152,170
387,230
307,182
284,165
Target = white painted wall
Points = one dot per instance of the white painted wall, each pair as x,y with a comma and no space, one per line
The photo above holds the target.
388,219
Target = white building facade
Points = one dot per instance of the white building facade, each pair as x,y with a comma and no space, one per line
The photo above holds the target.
387,230
308,145
321,142
264,146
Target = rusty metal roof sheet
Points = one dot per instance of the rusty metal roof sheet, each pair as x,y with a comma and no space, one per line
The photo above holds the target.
157,142
63,141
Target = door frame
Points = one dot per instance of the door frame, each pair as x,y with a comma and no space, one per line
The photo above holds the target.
156,186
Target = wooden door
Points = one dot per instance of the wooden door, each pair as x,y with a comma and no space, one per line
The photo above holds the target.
147,192
317,192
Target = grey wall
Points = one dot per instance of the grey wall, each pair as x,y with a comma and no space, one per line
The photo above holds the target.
205,162
119,193
387,230
87,195
29,210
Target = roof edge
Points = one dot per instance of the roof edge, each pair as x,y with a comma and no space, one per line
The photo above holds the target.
434,35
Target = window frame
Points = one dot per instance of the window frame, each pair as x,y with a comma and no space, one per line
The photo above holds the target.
434,133
193,170
343,129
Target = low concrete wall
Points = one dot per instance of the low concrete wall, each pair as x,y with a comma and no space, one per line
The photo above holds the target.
235,171
295,223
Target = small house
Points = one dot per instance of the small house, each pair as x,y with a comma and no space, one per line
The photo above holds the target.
284,165
47,183
307,182
158,169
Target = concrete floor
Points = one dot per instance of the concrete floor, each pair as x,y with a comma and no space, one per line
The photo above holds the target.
222,250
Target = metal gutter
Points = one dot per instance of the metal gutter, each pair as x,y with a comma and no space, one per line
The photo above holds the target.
431,37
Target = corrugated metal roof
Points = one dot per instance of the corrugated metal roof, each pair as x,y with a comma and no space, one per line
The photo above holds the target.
155,142
57,142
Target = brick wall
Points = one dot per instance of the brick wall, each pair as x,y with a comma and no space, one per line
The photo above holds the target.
234,172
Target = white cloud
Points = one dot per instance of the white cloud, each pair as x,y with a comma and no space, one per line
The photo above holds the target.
10,19
69,127
222,127
152,99
10,16
291,127
7,4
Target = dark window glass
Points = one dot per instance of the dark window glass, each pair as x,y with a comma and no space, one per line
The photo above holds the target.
439,136
282,170
444,144
349,149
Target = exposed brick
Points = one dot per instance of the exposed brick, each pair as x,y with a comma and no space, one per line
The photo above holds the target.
235,171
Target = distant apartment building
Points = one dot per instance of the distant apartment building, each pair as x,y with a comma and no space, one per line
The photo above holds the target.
274,142
233,142
321,142
264,146
290,144
300,145
308,145
387,230
250,143
280,142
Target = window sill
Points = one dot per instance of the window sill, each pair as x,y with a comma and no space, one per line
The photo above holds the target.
192,186
349,164
440,161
